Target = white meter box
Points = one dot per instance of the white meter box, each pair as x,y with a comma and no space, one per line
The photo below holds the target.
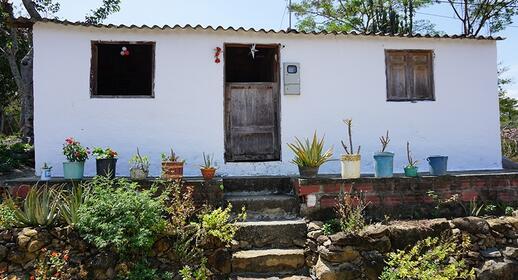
291,78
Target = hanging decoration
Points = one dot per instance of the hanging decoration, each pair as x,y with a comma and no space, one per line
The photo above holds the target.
125,51
253,50
217,53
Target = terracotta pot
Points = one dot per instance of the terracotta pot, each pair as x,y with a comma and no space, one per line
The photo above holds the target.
208,173
172,170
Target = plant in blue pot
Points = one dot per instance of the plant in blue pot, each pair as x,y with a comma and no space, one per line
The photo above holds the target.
76,156
384,161
411,168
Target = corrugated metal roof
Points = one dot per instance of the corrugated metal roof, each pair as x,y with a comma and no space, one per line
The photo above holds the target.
26,21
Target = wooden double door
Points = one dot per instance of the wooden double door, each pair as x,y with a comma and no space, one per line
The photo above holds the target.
252,128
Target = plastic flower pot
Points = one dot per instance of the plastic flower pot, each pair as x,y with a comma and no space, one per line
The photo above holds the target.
208,173
74,170
45,174
308,172
438,165
350,166
138,173
383,164
106,167
411,171
172,170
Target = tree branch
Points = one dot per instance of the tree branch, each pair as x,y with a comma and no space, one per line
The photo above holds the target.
30,6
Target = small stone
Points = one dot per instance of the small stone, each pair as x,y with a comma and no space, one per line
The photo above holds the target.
234,245
473,225
496,270
35,245
314,234
328,271
327,243
491,253
30,232
455,231
322,239
316,225
510,252
23,240
347,254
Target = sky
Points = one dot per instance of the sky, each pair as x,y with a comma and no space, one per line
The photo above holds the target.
269,14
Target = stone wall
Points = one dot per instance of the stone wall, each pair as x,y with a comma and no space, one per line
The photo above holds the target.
493,253
405,197
20,250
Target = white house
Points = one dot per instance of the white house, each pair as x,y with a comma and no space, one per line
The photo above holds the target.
160,87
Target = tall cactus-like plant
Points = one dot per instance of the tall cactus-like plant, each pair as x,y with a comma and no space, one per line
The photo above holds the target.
350,150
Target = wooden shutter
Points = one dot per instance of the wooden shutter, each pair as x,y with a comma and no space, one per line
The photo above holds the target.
409,75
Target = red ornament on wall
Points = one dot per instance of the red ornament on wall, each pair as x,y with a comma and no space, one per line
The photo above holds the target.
217,53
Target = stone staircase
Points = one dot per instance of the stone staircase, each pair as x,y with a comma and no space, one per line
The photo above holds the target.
269,244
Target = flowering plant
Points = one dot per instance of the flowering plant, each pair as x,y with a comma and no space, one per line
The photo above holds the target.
51,265
107,153
73,150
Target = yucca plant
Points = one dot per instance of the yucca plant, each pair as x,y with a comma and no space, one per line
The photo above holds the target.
70,203
40,207
310,153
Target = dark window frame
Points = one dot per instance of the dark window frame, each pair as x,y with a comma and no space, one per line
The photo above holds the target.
412,99
94,69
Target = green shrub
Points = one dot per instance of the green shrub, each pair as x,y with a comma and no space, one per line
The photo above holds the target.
350,210
118,215
143,271
7,216
331,227
200,273
39,208
429,259
13,153
218,223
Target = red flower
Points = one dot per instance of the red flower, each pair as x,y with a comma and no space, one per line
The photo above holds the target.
54,254
32,277
66,257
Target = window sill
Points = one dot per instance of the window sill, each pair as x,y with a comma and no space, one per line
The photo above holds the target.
122,96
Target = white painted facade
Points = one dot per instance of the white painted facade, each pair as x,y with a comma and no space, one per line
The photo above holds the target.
341,77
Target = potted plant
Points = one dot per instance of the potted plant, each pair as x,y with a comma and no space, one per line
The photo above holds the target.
411,168
76,156
208,170
106,162
309,156
172,166
139,166
46,172
384,161
350,161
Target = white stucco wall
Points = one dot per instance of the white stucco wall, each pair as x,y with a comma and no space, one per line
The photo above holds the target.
341,76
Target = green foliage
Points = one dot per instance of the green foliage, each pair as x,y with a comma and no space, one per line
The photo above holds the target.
13,153
331,227
386,16
71,202
508,105
107,153
7,216
218,223
40,207
117,215
208,161
310,154
143,271
200,273
74,151
140,162
350,210
429,259
107,8
179,206
173,157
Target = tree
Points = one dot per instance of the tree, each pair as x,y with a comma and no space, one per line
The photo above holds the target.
508,105
387,16
475,14
20,66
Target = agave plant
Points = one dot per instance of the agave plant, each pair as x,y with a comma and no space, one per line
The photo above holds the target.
71,202
40,207
310,153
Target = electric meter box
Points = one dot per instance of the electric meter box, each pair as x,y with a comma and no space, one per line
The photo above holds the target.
291,78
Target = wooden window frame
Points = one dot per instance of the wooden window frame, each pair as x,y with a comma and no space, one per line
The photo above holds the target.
94,69
429,52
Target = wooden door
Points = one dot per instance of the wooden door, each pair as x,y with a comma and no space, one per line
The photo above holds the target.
252,122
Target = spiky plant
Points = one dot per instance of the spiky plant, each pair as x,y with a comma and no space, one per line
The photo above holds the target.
310,153
208,161
350,150
70,203
385,140
40,207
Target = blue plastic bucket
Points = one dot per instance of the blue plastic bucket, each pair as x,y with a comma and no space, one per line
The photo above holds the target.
73,170
438,165
383,164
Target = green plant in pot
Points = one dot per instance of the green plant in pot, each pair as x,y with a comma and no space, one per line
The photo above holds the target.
384,161
310,155
106,162
139,166
76,155
208,169
411,168
350,161
172,166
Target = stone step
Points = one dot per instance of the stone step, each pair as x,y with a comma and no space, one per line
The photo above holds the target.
265,207
268,262
272,277
271,234
258,185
